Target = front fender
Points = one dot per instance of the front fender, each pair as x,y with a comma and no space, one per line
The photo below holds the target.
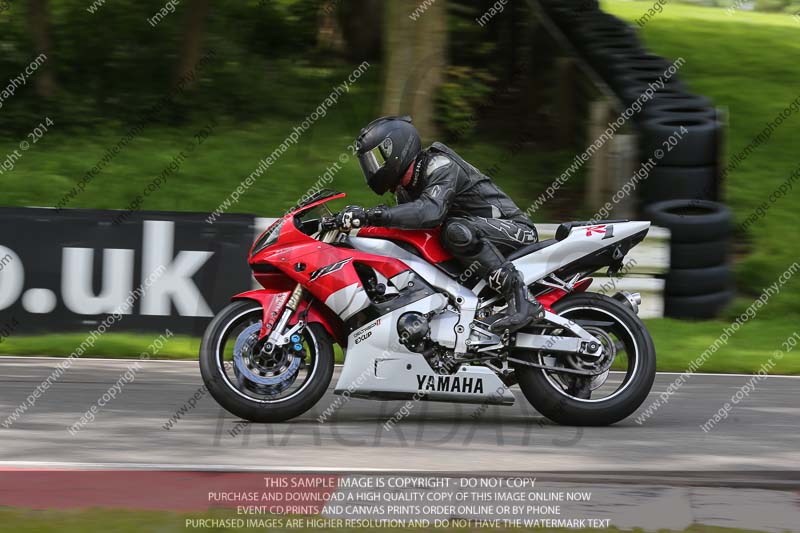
273,302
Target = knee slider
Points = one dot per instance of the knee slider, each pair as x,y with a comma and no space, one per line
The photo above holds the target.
459,238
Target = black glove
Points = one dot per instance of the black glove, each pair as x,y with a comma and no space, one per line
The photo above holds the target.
375,216
352,217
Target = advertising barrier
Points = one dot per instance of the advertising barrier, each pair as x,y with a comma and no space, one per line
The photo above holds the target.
67,270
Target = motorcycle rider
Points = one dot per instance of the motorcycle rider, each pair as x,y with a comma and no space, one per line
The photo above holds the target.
434,187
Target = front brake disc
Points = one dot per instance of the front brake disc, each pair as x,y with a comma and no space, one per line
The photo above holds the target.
248,371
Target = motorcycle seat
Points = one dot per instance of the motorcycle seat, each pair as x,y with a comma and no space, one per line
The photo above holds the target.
529,249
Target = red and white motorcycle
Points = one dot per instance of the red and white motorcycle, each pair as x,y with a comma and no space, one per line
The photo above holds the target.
411,326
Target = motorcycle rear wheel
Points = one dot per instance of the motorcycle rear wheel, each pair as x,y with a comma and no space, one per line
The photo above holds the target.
567,399
290,396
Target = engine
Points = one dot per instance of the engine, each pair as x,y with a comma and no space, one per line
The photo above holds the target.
414,330
428,334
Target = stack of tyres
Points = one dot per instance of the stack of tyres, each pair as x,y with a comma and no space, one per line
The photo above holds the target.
679,132
683,142
699,283
567,11
679,126
680,137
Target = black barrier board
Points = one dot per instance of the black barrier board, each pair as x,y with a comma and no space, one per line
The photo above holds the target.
67,270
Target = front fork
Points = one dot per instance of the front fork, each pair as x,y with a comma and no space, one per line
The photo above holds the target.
278,337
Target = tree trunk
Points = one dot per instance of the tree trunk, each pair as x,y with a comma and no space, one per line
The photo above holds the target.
193,36
362,24
415,56
39,20
329,32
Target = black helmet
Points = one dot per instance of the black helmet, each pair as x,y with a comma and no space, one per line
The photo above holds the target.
386,148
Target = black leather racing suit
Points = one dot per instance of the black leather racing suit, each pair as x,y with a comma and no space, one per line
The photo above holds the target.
446,190
480,223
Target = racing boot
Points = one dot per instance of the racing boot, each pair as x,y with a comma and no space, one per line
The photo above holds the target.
521,311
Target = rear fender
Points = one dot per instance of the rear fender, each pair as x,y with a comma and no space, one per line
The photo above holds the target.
273,302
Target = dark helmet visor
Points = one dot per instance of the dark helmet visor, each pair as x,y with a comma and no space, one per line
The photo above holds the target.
371,162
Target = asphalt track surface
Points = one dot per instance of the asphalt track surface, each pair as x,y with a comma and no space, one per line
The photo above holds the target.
760,433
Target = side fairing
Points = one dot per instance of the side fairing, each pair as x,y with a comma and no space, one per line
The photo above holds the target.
328,272
466,300
378,366
348,301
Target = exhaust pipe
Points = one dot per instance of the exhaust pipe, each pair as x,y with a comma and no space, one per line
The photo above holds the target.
630,299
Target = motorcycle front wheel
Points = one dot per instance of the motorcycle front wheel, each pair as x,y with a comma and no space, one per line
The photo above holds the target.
629,358
260,385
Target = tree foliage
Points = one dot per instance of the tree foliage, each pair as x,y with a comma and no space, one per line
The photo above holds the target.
114,65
